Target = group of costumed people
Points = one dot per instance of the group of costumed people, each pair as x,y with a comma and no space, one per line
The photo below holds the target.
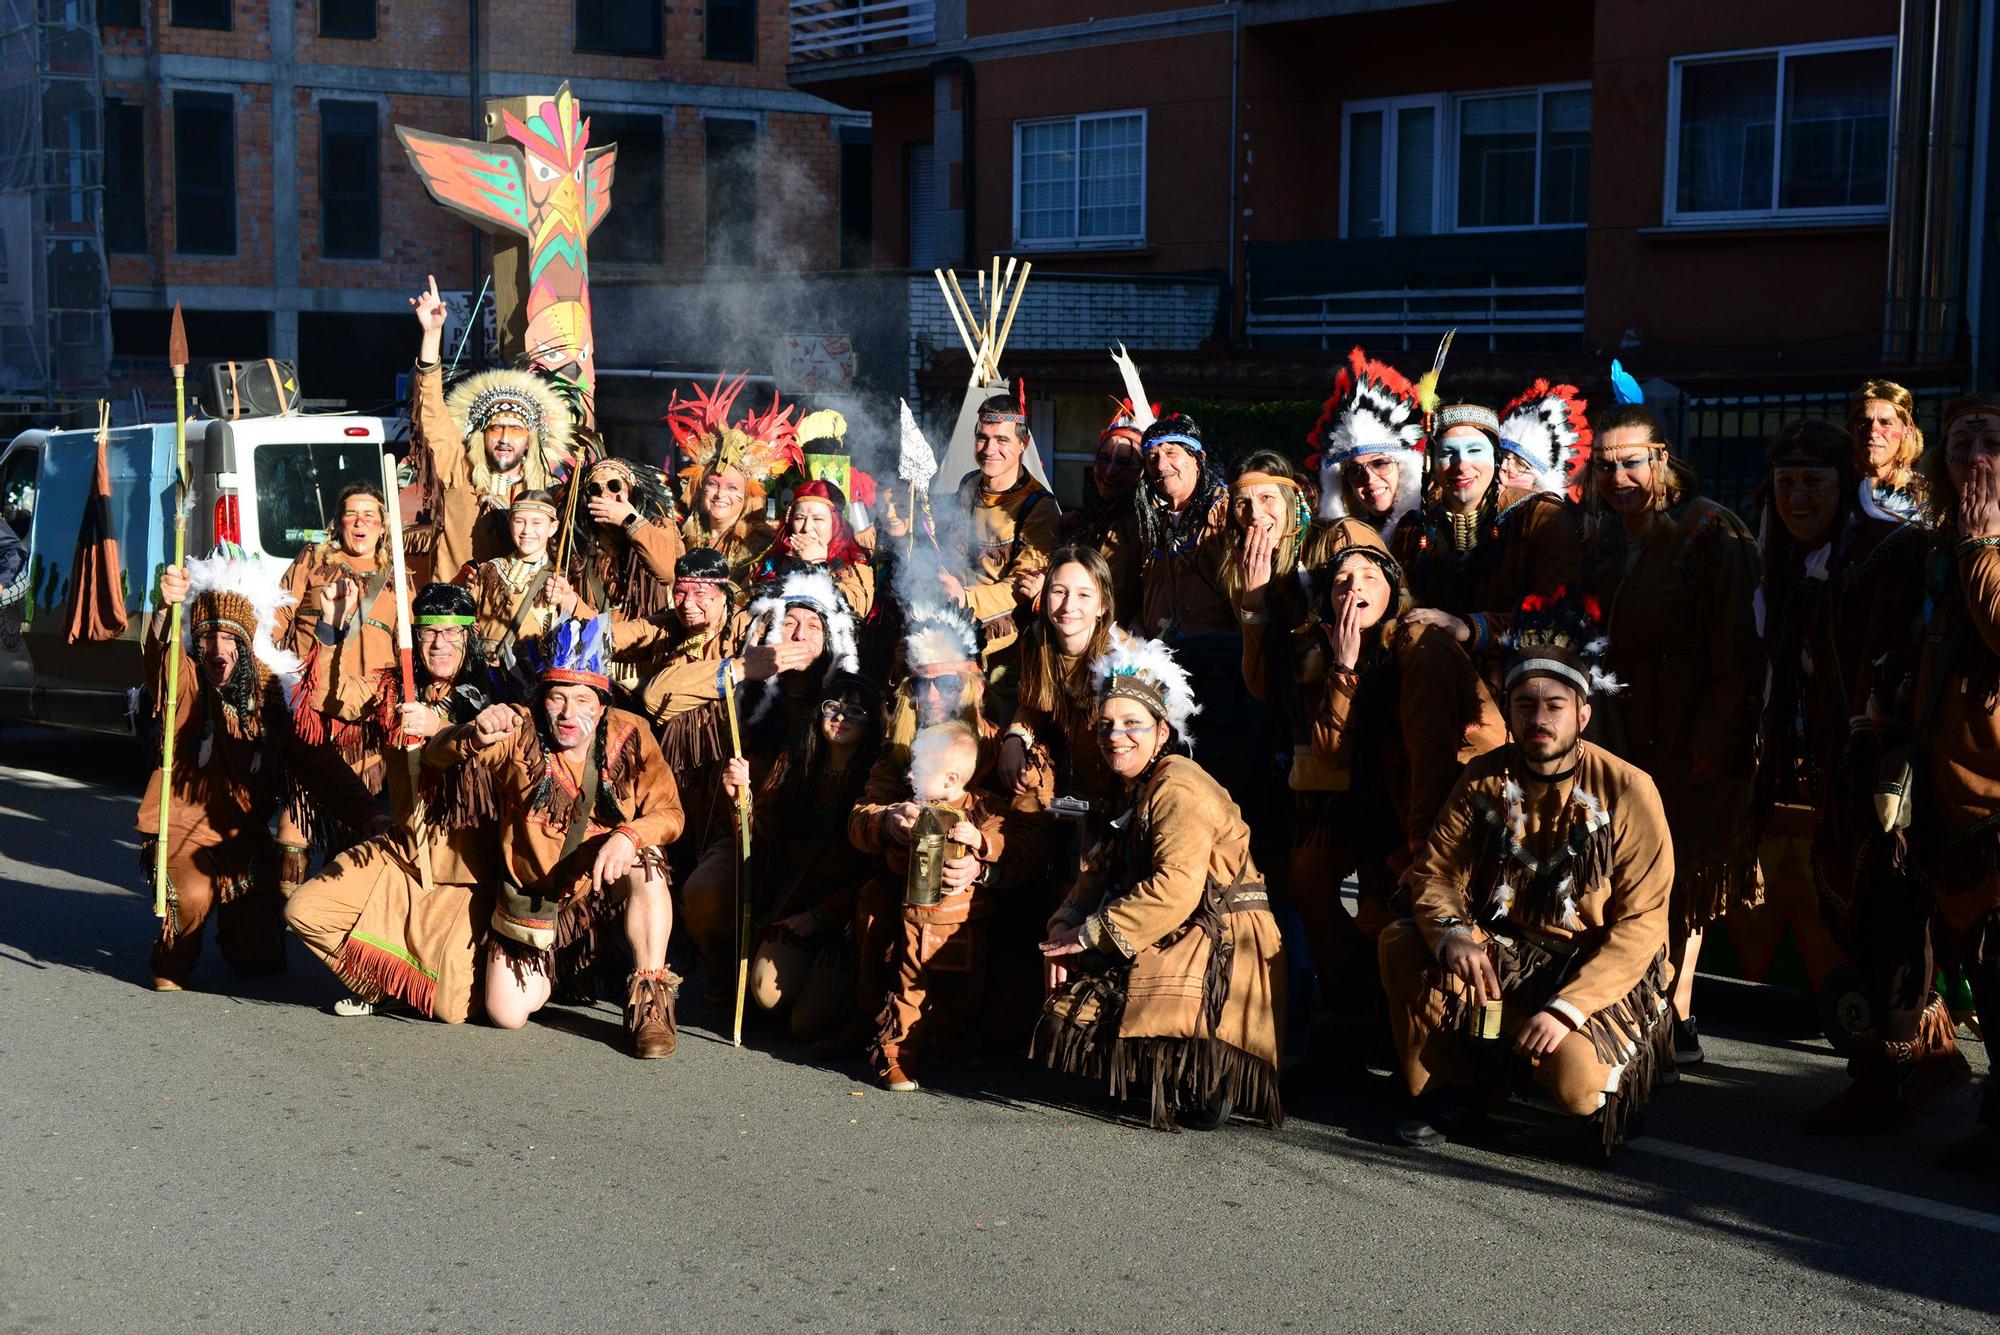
1492,703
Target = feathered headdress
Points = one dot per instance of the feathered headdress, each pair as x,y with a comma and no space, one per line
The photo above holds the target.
576,654
646,487
761,446
940,635
513,396
1135,412
1548,429
1560,636
1145,671
1373,410
815,591
232,591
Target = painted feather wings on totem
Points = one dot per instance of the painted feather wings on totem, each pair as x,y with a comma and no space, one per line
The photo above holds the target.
483,183
599,164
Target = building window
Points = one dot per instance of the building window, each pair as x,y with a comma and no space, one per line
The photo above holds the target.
118,14
1391,151
618,27
1080,180
1523,159
350,181
857,196
1797,132
729,177
630,233
353,19
204,174
731,30
124,177
199,14
1419,165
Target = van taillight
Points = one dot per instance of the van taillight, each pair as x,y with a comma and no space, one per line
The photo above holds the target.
355,431
228,521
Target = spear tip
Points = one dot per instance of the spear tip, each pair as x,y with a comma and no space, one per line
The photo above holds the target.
177,341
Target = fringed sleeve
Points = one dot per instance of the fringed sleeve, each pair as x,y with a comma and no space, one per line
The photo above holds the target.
1179,832
1440,877
659,546
656,819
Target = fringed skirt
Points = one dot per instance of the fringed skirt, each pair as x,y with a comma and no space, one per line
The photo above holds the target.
1194,1019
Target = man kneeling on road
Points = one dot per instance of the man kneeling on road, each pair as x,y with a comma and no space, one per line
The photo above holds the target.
1540,911
587,807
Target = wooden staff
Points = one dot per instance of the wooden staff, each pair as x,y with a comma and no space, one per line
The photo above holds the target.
177,353
742,860
413,753
576,472
951,303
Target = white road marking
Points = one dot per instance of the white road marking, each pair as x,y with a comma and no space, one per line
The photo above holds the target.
1825,1186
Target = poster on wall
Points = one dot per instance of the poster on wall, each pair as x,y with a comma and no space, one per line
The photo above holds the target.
814,364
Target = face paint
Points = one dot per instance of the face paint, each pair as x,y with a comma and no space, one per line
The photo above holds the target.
1464,445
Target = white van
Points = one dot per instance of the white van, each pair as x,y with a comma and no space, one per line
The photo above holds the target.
267,483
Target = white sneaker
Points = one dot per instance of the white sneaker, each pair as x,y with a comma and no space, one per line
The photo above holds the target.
349,1007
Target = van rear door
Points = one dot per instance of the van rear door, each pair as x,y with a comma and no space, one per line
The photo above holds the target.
278,479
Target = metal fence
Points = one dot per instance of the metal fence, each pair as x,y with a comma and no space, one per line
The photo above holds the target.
1725,437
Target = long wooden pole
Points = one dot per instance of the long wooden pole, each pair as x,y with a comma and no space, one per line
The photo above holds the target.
177,354
951,304
413,755
1000,344
728,682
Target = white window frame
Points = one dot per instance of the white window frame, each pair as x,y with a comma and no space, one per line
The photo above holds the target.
1130,241
1445,108
1775,216
1389,106
1448,148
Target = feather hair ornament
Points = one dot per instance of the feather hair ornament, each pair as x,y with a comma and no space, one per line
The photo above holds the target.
1147,672
1142,410
939,633
1624,388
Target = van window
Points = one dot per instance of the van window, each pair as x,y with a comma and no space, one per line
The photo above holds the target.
17,493
297,486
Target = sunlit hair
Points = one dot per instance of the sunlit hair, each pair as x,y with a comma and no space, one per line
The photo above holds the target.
1940,496
1672,478
1066,697
1903,467
348,493
1298,519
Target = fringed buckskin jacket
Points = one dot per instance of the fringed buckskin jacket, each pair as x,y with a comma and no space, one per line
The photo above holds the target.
1195,1001
1584,868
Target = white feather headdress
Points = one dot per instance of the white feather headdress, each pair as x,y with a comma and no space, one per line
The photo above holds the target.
240,588
1548,428
939,633
1150,665
812,589
1373,410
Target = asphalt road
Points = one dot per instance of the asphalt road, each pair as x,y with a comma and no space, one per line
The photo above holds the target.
235,1158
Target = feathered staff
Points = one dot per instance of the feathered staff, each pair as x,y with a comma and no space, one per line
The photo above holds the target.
917,465
177,354
413,754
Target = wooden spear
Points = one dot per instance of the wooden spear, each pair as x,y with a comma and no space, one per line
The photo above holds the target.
177,354
728,681
413,753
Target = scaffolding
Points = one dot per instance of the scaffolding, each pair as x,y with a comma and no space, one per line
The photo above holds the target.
55,289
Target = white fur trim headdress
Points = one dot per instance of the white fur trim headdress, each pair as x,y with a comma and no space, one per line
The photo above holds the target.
231,589
1548,428
519,396
937,635
1373,410
812,589
1145,671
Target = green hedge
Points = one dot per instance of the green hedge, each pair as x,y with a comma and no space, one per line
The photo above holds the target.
1234,427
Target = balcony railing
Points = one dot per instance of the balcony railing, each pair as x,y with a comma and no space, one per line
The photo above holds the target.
1417,313
837,29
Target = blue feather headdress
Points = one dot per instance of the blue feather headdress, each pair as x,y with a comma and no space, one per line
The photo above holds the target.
579,654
